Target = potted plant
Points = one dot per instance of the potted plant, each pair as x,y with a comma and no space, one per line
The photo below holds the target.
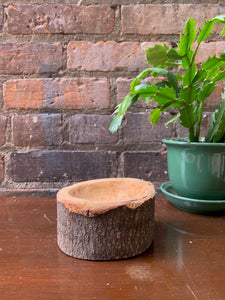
196,165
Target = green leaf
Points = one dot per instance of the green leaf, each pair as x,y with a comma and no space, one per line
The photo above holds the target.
208,26
172,79
198,114
179,104
217,126
166,106
124,105
142,86
189,75
188,38
211,63
219,77
172,120
120,111
173,54
220,135
116,123
205,31
187,58
159,71
200,75
219,19
155,115
165,95
189,94
170,63
128,101
189,29
143,73
212,66
179,77
165,46
156,56
145,90
222,56
136,81
206,90
116,109
187,117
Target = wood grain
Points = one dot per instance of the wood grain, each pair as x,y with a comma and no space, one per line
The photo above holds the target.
185,261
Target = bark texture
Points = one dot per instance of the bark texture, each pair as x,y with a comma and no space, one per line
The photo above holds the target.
116,234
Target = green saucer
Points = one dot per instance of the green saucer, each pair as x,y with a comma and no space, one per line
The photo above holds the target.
192,205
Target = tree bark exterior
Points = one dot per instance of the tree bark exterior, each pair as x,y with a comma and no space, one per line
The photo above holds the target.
118,233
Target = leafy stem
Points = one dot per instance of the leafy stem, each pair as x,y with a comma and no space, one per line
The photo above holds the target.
186,93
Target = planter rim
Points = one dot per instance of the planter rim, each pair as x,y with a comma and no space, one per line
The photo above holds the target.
184,141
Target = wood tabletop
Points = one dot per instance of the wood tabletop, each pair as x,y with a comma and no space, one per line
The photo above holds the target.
185,261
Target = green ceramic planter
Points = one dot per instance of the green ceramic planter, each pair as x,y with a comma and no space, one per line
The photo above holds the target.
196,170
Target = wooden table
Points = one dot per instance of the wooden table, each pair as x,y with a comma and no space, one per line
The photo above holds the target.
186,260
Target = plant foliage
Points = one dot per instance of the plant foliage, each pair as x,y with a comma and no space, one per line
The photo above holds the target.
184,89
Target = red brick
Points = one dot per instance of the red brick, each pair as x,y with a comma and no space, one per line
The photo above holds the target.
165,18
215,98
28,193
106,56
61,18
138,129
2,130
2,168
90,129
146,165
52,166
57,93
37,130
209,49
122,88
30,58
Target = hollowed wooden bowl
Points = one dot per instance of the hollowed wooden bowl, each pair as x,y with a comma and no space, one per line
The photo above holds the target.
106,219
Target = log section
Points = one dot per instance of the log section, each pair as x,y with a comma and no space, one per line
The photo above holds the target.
106,219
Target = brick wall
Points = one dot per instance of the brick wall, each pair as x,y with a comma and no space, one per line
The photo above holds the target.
63,68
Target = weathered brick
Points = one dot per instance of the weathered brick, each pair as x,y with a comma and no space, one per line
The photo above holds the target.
122,88
165,18
1,18
28,193
37,130
3,121
137,128
145,165
209,49
62,18
90,129
215,98
56,93
2,168
106,56
30,58
52,166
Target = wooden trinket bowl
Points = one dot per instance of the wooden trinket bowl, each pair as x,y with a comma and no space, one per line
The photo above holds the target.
106,219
